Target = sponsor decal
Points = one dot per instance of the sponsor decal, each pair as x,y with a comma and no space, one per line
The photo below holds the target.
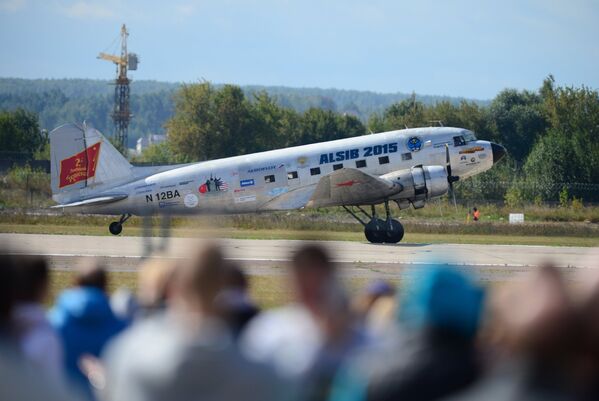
259,169
239,190
244,199
482,156
277,191
185,182
247,183
80,166
167,186
351,154
463,157
213,185
473,149
472,159
162,205
145,186
414,144
143,192
301,161
190,200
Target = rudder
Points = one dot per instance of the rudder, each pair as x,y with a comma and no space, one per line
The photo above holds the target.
83,163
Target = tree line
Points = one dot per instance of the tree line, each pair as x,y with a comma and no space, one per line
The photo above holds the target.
57,101
551,134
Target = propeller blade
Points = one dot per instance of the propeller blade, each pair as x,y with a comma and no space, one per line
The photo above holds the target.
447,161
450,178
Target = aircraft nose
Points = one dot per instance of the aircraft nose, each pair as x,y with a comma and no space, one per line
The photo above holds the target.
499,152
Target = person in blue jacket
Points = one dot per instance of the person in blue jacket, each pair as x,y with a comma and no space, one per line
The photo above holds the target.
84,320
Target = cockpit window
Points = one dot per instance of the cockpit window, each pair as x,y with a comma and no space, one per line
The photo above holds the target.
459,141
469,136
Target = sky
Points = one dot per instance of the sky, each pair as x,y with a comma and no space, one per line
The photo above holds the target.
464,48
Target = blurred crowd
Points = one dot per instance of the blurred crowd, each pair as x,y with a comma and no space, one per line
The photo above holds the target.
193,332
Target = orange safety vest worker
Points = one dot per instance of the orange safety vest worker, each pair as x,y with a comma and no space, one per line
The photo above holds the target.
476,214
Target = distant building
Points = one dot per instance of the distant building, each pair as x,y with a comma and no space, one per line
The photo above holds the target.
145,141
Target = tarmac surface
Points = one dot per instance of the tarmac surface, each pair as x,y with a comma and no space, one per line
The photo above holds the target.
269,257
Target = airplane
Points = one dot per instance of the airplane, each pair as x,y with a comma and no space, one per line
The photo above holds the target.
408,167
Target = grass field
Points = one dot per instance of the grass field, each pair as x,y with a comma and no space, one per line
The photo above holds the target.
268,291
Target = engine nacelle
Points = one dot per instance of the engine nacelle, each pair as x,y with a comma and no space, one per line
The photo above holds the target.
420,184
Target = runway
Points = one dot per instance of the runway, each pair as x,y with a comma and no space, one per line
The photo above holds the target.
488,262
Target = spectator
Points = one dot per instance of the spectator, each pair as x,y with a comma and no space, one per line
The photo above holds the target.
84,320
186,353
234,302
20,379
374,291
433,356
475,214
124,305
155,285
534,328
38,340
308,340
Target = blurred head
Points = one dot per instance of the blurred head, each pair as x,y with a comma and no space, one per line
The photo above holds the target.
6,288
313,276
199,280
91,274
31,279
235,278
535,315
155,282
441,298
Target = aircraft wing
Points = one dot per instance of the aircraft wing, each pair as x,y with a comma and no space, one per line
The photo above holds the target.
98,200
349,186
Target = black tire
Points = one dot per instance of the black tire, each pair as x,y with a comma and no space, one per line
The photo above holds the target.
375,231
394,231
115,228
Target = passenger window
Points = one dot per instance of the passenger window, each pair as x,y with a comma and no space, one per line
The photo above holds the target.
269,178
360,163
337,166
315,171
459,141
292,175
406,156
384,160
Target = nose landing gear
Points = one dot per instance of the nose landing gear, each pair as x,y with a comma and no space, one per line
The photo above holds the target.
116,227
377,230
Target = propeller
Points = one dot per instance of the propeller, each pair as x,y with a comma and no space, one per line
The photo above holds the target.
450,178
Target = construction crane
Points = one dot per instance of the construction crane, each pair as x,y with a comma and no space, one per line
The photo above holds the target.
121,113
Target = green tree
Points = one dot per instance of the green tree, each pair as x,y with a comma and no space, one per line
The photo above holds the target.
20,132
518,121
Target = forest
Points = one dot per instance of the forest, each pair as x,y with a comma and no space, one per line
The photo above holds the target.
551,133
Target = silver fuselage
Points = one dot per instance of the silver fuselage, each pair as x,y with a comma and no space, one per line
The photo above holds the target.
285,179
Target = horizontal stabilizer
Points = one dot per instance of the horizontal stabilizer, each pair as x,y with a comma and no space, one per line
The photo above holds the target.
349,186
99,200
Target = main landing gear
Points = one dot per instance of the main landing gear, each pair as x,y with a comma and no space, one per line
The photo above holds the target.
377,230
116,227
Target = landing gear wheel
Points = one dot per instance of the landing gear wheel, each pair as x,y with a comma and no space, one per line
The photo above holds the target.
115,228
393,231
375,231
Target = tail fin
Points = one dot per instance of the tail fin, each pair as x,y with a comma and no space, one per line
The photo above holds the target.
83,163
